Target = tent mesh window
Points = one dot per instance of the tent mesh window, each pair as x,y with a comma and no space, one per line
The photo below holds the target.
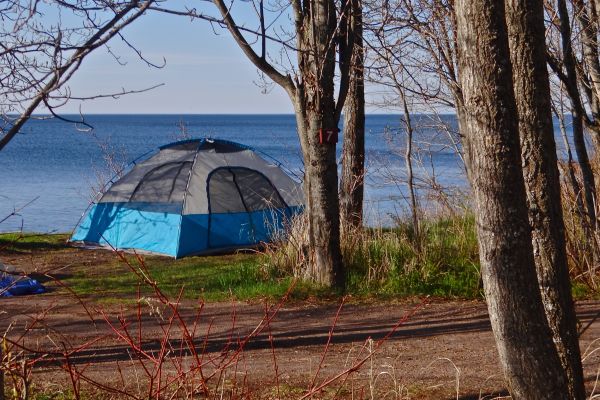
166,183
235,189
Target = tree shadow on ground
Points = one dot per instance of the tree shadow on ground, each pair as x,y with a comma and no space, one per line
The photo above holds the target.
33,243
290,335
281,334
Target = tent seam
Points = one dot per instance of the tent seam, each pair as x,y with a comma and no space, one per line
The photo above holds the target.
185,193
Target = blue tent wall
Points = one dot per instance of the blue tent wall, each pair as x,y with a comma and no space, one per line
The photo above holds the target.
192,239
120,226
200,233
123,227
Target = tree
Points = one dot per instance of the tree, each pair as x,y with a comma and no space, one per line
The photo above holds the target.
523,337
38,55
566,70
391,72
540,170
353,152
412,60
311,89
420,35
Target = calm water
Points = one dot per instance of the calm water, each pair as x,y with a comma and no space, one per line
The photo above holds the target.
58,165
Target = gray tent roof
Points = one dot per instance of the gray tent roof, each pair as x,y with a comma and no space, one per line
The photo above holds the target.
179,173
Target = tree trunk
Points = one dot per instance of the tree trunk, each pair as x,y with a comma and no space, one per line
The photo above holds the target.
586,16
315,109
414,208
311,91
588,20
353,152
540,169
322,207
523,337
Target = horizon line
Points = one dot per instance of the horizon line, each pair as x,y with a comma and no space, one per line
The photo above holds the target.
217,113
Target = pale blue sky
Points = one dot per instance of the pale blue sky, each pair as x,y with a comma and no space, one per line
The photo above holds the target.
205,73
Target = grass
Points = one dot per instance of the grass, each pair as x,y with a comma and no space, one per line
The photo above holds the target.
31,242
442,261
382,263
214,278
103,275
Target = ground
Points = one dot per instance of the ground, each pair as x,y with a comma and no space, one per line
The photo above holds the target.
416,348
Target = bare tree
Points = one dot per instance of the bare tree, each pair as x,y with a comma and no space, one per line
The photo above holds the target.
353,152
408,158
420,35
412,58
310,85
39,55
562,59
530,360
575,57
391,73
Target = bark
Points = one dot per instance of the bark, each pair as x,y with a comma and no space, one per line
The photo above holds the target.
316,109
523,337
353,152
588,20
540,169
453,82
586,16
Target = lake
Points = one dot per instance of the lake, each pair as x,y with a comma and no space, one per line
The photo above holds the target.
59,166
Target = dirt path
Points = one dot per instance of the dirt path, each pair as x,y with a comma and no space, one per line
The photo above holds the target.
439,348
435,349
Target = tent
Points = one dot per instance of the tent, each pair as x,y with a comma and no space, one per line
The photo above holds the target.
191,197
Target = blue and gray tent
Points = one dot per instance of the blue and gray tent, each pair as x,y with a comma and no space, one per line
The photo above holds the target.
192,197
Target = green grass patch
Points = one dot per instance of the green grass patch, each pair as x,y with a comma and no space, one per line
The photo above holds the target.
213,278
443,262
32,242
381,262
104,276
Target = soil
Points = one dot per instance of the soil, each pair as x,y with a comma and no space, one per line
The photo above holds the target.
416,348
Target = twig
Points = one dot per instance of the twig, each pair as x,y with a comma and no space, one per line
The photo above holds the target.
16,211
378,345
329,337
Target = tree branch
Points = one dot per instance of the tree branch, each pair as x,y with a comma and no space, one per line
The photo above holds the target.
348,30
285,81
102,36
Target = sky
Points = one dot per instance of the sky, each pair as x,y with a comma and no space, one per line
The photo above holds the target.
205,73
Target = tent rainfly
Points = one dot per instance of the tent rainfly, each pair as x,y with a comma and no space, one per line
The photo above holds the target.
192,197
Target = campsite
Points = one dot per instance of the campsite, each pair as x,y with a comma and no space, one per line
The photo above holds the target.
285,199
